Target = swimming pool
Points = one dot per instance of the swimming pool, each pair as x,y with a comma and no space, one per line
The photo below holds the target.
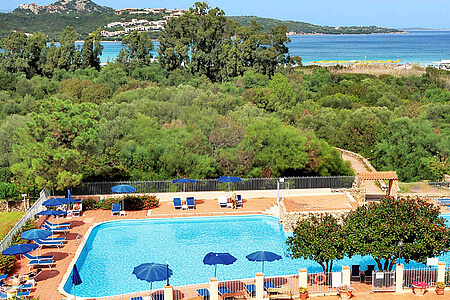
113,249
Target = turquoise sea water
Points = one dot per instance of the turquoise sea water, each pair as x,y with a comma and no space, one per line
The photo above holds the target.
113,249
421,47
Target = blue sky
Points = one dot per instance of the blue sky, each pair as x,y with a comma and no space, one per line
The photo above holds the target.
387,13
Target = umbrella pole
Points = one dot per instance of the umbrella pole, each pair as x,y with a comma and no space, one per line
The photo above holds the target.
263,268
215,271
75,291
21,264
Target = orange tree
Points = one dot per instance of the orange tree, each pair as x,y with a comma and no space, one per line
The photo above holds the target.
377,228
317,237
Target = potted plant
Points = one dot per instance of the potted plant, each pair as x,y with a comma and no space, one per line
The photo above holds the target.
345,291
440,286
419,287
303,292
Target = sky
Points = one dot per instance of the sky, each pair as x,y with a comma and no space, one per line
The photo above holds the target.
385,13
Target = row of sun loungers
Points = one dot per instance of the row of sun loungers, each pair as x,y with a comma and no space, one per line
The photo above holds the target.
21,290
190,202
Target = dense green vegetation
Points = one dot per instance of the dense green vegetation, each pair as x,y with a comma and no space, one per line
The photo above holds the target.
374,229
65,120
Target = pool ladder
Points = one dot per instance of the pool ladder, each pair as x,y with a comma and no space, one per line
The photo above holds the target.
79,239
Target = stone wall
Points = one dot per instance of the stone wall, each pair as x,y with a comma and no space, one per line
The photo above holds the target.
13,205
289,219
365,161
356,193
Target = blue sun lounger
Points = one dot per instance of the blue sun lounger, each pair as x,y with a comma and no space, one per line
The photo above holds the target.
250,289
48,262
41,257
3,296
56,229
52,225
177,203
239,201
158,296
56,239
269,285
42,243
190,202
203,293
115,209
137,298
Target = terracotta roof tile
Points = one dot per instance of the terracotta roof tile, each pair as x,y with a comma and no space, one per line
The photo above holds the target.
387,175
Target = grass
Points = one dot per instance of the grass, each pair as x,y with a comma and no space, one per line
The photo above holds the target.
7,220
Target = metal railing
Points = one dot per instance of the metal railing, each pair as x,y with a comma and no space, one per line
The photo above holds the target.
207,185
428,275
425,188
29,214
324,282
290,282
237,288
383,281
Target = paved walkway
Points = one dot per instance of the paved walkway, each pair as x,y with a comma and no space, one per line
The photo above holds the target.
358,166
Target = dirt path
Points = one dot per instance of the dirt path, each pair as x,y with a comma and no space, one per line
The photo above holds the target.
358,167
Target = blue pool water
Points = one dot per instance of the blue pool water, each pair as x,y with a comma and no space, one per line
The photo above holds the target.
114,248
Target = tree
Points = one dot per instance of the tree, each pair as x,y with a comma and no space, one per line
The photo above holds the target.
92,50
55,144
136,50
67,51
319,238
377,228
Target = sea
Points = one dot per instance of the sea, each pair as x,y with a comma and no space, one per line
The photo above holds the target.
414,47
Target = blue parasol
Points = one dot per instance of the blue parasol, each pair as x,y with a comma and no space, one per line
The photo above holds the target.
76,279
55,202
229,179
19,249
263,256
184,181
35,234
153,272
123,188
218,259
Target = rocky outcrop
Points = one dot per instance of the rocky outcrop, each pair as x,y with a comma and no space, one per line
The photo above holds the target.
65,6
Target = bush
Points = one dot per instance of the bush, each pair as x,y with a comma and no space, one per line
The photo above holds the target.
131,202
7,261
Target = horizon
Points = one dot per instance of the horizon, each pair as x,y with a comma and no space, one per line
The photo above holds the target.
382,13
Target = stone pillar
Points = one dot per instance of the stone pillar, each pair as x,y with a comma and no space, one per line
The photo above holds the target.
346,275
168,292
441,271
213,289
399,278
303,278
259,284
362,191
394,188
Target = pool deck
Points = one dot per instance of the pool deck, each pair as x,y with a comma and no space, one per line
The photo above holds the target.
49,280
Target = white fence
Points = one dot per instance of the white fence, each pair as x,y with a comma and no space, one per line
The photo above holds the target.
30,214
324,282
428,275
383,281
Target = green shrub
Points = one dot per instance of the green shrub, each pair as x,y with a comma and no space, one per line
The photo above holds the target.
131,202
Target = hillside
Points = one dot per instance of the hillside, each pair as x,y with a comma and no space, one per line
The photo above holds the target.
307,28
86,16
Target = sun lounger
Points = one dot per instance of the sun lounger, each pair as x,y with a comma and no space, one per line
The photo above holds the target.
190,202
250,289
3,296
56,239
27,286
203,293
49,224
23,294
115,209
137,298
177,203
269,285
56,229
280,293
33,274
42,243
158,296
239,201
226,293
222,201
48,263
41,257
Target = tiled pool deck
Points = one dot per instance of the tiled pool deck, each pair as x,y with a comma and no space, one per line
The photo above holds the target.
49,280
